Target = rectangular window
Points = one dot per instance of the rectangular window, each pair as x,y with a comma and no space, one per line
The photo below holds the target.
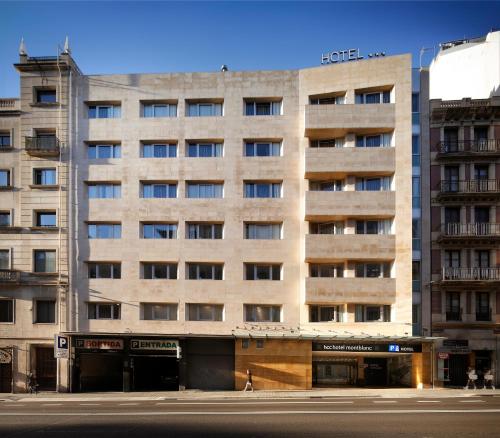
373,97
328,143
204,231
46,96
105,270
5,140
327,270
44,177
373,184
7,311
4,259
104,111
45,219
373,270
104,311
255,271
159,231
374,141
453,309
159,312
105,191
415,102
204,190
326,186
326,227
262,190
263,108
204,150
205,312
262,231
382,226
452,258
369,313
103,151
204,271
161,191
45,260
204,109
5,219
327,100
325,314
5,180
159,271
262,149
262,313
159,151
45,312
105,231
150,110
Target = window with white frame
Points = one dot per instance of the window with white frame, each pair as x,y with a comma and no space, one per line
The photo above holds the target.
45,219
204,190
104,231
204,271
44,177
103,151
328,143
5,178
202,230
105,270
372,313
104,311
263,107
159,271
159,311
326,313
373,270
262,271
159,109
104,190
329,270
374,141
380,226
104,111
204,109
262,149
204,150
5,259
45,261
5,219
45,312
205,312
263,230
6,310
373,184
159,231
334,185
262,313
326,227
159,190
162,150
373,97
254,189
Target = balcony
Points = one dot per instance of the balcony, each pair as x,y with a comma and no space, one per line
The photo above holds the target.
468,189
9,276
483,315
475,275
330,247
473,148
10,106
46,146
332,205
482,234
337,120
350,290
326,162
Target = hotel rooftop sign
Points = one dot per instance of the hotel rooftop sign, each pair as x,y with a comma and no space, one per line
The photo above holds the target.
346,55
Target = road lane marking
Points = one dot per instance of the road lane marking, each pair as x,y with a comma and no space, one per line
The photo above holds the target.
428,401
14,405
384,401
248,413
51,404
471,401
128,404
90,404
255,403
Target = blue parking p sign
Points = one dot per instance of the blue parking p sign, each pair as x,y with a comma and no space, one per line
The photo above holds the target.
61,346
393,348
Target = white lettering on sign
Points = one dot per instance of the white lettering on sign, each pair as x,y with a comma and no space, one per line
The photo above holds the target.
346,55
153,344
101,344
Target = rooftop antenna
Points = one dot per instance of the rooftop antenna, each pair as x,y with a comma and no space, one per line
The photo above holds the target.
223,68
22,47
66,49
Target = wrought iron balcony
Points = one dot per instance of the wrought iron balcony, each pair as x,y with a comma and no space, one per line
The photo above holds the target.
483,315
44,145
454,315
470,186
479,229
469,146
471,274
9,276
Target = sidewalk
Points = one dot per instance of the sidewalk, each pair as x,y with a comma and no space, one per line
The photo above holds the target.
236,395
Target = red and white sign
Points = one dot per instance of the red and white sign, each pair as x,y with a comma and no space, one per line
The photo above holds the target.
443,355
102,344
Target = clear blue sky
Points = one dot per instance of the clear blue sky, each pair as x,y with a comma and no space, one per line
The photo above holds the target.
137,37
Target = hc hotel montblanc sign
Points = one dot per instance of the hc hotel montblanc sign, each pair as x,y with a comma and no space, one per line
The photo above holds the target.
346,55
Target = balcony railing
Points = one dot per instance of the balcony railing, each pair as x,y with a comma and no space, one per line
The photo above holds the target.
471,230
483,315
42,145
470,186
9,276
471,274
454,315
453,147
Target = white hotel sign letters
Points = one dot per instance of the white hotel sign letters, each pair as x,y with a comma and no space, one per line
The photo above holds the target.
346,55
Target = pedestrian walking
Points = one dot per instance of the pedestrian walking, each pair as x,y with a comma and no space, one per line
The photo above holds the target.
249,384
489,379
471,378
32,383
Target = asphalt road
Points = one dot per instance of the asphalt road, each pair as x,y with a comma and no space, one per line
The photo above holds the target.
313,417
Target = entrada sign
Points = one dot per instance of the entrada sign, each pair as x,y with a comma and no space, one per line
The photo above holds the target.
367,348
153,344
346,55
100,344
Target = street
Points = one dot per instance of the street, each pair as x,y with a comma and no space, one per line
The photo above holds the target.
475,416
